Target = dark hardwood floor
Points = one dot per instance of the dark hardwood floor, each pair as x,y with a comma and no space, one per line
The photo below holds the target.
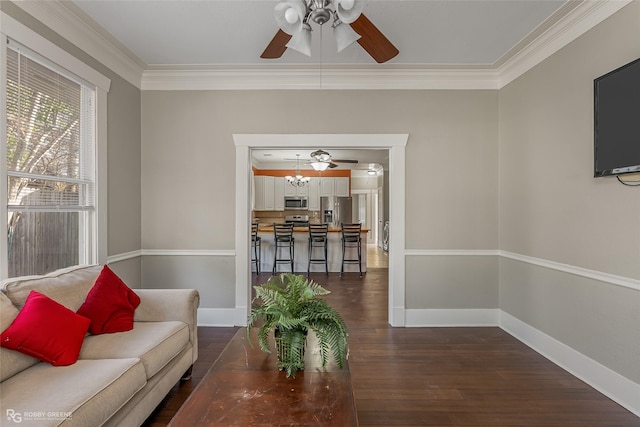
433,376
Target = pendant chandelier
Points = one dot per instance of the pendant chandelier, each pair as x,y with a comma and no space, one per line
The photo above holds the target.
298,180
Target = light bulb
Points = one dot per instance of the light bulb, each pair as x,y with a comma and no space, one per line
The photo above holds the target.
347,4
291,16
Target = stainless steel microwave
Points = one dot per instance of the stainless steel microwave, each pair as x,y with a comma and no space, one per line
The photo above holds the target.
296,203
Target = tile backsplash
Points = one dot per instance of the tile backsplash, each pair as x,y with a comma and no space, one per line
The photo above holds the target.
269,217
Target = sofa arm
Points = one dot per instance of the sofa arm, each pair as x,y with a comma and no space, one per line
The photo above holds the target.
158,305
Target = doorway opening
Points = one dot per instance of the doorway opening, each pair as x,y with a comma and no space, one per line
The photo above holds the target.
395,143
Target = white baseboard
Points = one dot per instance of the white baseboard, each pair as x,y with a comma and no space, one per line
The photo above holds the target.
452,317
398,317
608,382
221,317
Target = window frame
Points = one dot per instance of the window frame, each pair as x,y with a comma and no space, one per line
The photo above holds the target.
96,245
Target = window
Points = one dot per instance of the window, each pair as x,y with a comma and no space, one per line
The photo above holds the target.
52,156
50,165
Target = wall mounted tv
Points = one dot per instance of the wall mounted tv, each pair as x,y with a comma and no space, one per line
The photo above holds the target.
617,121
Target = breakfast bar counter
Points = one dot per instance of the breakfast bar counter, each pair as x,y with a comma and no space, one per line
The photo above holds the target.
301,254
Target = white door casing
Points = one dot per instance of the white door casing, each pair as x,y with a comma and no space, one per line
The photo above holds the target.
395,143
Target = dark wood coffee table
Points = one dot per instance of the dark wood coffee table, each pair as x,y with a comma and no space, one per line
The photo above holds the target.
244,388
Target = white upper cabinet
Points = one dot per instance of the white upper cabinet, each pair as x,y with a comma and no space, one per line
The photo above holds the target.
341,187
314,194
334,187
292,191
264,193
289,190
258,193
279,186
326,187
269,193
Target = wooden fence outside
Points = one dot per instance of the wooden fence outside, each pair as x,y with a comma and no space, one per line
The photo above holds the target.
41,242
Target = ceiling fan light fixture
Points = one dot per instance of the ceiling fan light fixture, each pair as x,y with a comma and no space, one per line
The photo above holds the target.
344,34
348,10
293,15
346,4
301,42
290,15
320,166
321,156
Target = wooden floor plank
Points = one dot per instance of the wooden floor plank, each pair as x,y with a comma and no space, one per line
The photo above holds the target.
434,376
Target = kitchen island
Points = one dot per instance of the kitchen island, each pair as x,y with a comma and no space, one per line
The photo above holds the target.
301,255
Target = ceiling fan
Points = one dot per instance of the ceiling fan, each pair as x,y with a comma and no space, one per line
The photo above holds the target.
349,25
320,160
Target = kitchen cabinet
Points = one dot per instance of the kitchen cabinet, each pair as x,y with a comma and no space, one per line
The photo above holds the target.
314,194
341,187
264,193
326,187
291,191
334,187
279,185
258,193
269,193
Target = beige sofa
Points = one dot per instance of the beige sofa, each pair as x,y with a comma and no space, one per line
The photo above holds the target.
119,378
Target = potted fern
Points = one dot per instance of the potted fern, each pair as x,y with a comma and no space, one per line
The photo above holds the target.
288,307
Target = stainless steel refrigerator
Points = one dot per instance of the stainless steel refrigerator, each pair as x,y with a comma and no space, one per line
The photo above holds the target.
335,210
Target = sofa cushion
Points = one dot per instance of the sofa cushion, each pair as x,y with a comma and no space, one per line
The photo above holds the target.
11,361
68,286
154,343
84,394
110,304
46,330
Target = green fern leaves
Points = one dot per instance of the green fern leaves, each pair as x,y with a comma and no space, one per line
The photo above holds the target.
289,303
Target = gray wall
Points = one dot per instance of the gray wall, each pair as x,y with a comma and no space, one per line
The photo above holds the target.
123,140
485,170
552,208
188,165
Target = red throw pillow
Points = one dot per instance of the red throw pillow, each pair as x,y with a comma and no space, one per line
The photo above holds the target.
46,330
110,304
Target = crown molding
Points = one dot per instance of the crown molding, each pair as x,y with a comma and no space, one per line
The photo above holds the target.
569,23
313,77
580,19
78,28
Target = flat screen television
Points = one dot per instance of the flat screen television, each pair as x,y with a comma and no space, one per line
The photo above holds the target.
617,121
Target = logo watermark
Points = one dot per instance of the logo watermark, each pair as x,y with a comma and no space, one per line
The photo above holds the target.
18,417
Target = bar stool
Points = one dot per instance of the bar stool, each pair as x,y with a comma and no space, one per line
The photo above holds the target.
318,239
351,240
283,239
256,246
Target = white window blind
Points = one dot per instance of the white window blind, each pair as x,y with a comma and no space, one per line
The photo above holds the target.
50,136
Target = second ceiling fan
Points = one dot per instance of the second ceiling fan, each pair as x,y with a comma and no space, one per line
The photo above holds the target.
321,160
349,25
320,156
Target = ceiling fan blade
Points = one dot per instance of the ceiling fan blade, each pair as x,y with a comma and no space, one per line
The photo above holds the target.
277,46
332,165
373,41
344,161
